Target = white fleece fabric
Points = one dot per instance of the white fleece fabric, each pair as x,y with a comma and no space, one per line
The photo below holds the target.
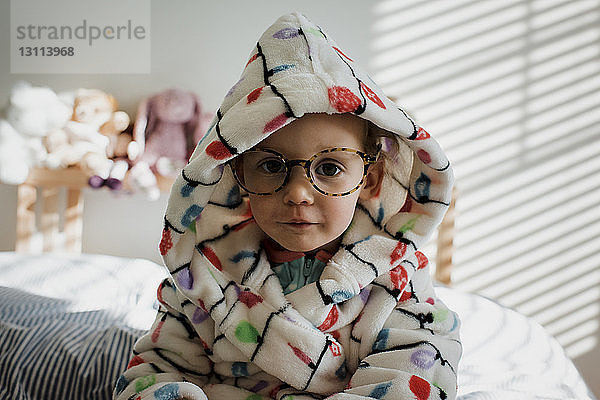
370,327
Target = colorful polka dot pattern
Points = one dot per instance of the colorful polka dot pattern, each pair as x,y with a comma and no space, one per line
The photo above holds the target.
212,257
343,99
275,123
302,356
380,390
254,95
249,299
246,333
331,319
165,242
218,150
372,95
389,275
423,358
167,392
144,382
286,33
420,387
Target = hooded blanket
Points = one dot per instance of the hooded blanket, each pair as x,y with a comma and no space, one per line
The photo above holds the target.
370,327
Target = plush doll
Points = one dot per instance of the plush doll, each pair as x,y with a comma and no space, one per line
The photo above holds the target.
89,139
113,129
123,151
31,113
167,127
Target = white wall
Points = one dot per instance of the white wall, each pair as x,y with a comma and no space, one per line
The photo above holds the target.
202,46
510,88
199,46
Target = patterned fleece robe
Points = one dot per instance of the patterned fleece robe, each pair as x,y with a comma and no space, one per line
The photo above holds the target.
370,327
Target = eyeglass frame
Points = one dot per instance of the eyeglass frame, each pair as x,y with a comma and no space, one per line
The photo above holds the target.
368,160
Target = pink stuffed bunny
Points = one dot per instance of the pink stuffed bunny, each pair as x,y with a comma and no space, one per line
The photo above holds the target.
167,127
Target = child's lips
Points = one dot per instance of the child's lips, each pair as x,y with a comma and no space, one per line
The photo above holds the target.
299,223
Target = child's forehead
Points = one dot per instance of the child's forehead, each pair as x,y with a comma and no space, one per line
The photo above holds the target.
317,132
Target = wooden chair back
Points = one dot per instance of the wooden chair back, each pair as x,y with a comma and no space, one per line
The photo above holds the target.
445,244
50,202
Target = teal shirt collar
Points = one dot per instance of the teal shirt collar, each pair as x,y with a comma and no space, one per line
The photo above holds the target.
295,269
297,273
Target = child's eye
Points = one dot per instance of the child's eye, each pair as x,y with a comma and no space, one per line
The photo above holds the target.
328,169
272,166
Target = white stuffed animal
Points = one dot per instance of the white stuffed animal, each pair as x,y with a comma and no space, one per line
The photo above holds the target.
29,115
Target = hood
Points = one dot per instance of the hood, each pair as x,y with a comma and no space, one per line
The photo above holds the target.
296,68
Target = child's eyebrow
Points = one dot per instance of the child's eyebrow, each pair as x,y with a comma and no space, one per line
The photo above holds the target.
283,153
263,149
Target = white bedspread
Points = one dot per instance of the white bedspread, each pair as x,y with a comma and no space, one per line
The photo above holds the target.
68,323
509,356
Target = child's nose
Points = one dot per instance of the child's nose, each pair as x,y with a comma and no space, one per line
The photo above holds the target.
298,189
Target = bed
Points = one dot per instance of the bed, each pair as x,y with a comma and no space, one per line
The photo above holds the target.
68,322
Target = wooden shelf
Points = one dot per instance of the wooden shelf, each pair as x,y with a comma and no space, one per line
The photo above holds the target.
66,177
43,187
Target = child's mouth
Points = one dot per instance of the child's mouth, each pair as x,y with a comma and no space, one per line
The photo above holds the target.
299,224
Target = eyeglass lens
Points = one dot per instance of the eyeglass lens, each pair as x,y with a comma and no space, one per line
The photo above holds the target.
333,172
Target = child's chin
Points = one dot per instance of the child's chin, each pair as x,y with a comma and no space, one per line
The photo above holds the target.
299,246
300,249
310,246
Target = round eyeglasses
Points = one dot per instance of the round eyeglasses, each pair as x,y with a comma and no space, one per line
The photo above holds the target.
337,171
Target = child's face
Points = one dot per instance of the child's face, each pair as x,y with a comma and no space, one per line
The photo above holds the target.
298,217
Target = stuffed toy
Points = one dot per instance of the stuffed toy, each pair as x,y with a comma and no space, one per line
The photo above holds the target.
123,151
113,130
167,127
90,138
30,114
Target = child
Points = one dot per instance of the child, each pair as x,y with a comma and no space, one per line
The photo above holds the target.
291,240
